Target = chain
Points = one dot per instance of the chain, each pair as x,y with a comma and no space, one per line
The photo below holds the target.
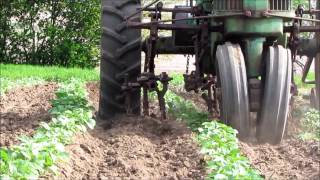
188,62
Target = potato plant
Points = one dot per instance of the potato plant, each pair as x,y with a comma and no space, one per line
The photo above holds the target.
218,142
7,84
35,155
311,125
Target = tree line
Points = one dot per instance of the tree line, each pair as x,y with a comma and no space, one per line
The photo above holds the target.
50,32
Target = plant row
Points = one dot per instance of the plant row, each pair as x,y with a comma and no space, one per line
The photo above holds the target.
35,155
218,142
48,73
7,84
310,124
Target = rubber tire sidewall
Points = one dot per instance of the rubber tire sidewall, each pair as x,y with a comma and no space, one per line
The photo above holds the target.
120,55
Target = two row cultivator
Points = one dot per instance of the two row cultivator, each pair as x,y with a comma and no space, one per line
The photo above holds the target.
244,54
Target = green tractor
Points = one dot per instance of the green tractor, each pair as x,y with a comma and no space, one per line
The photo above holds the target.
244,53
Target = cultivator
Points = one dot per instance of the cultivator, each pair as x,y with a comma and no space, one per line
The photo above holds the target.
244,53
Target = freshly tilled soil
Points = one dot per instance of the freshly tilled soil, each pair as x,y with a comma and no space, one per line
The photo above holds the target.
145,148
22,110
134,148
292,159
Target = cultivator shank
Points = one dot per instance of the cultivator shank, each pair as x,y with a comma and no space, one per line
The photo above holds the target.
239,47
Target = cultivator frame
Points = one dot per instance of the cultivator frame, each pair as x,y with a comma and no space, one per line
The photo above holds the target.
243,28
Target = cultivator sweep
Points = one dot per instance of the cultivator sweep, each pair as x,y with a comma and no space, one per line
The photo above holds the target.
244,53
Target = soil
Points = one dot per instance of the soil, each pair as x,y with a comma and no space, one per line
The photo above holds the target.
22,110
147,148
134,148
292,159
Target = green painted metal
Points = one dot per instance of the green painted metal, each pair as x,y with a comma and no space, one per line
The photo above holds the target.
251,32
255,5
283,40
206,4
254,27
253,50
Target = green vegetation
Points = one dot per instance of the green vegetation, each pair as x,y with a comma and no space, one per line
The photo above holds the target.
177,81
303,86
13,76
224,160
65,33
218,141
185,110
7,84
311,125
35,155
48,73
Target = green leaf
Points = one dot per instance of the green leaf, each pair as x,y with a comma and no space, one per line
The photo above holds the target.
91,123
4,156
33,156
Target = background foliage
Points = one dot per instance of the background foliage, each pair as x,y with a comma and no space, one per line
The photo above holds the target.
50,32
55,32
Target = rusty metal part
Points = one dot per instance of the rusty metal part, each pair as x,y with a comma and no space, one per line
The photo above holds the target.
149,82
164,79
299,13
208,96
195,81
207,85
315,94
131,24
294,40
188,63
145,101
165,45
198,18
312,11
306,71
183,10
302,28
142,9
192,82
290,17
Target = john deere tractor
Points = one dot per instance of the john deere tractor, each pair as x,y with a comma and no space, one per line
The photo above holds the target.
244,52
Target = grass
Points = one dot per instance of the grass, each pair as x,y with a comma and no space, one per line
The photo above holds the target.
47,73
303,86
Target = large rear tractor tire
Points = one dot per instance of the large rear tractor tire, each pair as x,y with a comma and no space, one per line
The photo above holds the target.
232,79
121,55
273,117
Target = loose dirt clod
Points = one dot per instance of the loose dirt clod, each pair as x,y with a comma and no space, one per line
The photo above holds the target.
292,159
134,148
145,148
22,110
